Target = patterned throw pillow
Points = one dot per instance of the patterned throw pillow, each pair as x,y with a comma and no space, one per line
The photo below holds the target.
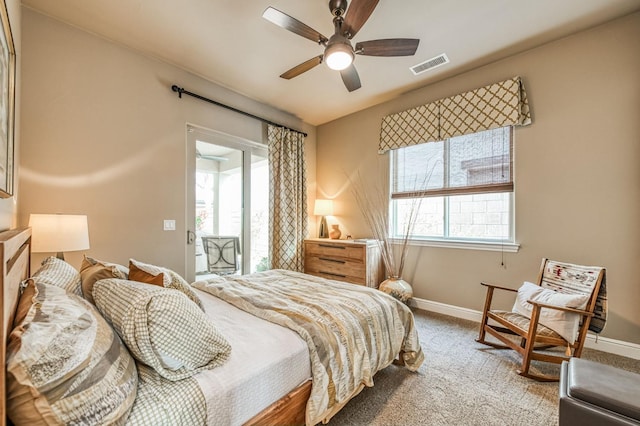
170,279
93,270
161,327
65,365
54,271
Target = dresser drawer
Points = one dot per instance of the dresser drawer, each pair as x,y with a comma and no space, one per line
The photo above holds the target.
325,265
334,250
338,277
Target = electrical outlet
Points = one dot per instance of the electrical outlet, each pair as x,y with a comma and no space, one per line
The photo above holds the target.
169,225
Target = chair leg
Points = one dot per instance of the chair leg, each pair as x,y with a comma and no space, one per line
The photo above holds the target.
483,323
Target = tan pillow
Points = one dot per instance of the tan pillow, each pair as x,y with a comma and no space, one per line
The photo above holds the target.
170,278
90,272
65,365
121,268
137,274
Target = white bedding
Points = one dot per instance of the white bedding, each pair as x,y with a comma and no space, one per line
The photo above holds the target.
267,361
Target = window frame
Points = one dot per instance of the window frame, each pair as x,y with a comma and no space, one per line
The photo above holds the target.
504,245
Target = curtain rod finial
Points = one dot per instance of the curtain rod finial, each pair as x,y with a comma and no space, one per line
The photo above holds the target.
177,89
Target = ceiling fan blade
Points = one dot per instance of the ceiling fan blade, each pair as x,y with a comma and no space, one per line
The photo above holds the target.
357,15
388,47
351,78
292,24
303,67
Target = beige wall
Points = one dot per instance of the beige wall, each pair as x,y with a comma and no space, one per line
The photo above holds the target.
8,206
576,171
104,135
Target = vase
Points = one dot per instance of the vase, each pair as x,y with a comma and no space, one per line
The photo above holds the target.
335,232
398,288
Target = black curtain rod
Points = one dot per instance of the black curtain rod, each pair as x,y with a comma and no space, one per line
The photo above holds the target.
180,91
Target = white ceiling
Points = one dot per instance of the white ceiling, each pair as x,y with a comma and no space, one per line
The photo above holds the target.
228,42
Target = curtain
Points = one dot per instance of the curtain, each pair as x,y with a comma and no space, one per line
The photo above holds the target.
287,198
497,105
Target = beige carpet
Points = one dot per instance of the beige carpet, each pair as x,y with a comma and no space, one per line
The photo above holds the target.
460,383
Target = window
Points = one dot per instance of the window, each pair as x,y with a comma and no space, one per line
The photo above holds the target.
460,189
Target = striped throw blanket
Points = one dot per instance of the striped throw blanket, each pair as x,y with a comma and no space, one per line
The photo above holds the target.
352,331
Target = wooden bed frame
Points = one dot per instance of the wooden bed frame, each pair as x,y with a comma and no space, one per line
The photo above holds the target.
15,253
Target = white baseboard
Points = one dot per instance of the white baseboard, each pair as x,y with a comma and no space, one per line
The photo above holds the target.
605,344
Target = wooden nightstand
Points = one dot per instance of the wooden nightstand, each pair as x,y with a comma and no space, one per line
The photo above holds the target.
356,262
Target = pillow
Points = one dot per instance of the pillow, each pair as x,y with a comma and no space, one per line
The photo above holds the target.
137,274
57,272
161,327
121,268
563,323
170,279
92,271
65,365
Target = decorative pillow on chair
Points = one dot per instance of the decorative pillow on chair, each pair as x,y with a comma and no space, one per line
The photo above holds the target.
54,271
93,270
65,365
170,279
563,323
161,327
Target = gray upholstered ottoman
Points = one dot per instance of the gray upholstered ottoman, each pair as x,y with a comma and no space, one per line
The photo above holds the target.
595,394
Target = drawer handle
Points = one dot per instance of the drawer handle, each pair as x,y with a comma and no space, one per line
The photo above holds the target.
332,274
342,262
331,246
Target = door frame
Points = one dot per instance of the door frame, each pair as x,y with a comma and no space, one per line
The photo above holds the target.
248,147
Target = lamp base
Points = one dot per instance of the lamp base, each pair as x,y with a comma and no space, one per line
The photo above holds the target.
60,255
323,231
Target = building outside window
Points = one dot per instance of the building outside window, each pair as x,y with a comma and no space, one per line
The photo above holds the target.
462,188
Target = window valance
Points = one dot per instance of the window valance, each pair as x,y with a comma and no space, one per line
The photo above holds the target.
490,107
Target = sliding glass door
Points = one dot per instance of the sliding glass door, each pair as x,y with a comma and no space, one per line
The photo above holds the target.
227,197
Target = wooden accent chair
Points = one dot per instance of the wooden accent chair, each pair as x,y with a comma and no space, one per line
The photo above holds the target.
562,279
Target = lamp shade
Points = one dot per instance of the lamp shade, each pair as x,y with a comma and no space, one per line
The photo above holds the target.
323,208
58,232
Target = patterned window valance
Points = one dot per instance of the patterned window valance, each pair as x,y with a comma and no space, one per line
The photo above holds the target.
496,105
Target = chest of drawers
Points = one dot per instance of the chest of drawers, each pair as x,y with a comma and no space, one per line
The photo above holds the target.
356,262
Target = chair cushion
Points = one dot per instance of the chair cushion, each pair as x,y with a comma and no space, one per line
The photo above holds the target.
604,386
563,323
523,322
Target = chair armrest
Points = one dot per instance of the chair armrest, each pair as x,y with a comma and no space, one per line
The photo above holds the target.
498,287
562,308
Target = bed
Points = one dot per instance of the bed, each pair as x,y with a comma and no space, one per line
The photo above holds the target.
309,382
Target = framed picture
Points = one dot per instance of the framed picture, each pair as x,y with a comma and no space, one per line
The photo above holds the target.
7,103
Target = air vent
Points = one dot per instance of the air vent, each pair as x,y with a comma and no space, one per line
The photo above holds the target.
430,64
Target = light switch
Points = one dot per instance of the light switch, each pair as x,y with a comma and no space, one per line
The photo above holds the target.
169,225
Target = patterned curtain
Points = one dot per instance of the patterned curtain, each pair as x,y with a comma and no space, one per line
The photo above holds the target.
497,105
287,198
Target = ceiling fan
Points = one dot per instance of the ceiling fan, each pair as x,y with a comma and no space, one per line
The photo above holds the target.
199,156
339,52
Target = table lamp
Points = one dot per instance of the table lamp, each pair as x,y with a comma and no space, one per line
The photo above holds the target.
323,208
58,233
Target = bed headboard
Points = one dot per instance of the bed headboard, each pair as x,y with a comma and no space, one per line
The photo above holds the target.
15,254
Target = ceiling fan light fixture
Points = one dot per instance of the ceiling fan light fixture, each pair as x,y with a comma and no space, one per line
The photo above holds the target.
338,56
